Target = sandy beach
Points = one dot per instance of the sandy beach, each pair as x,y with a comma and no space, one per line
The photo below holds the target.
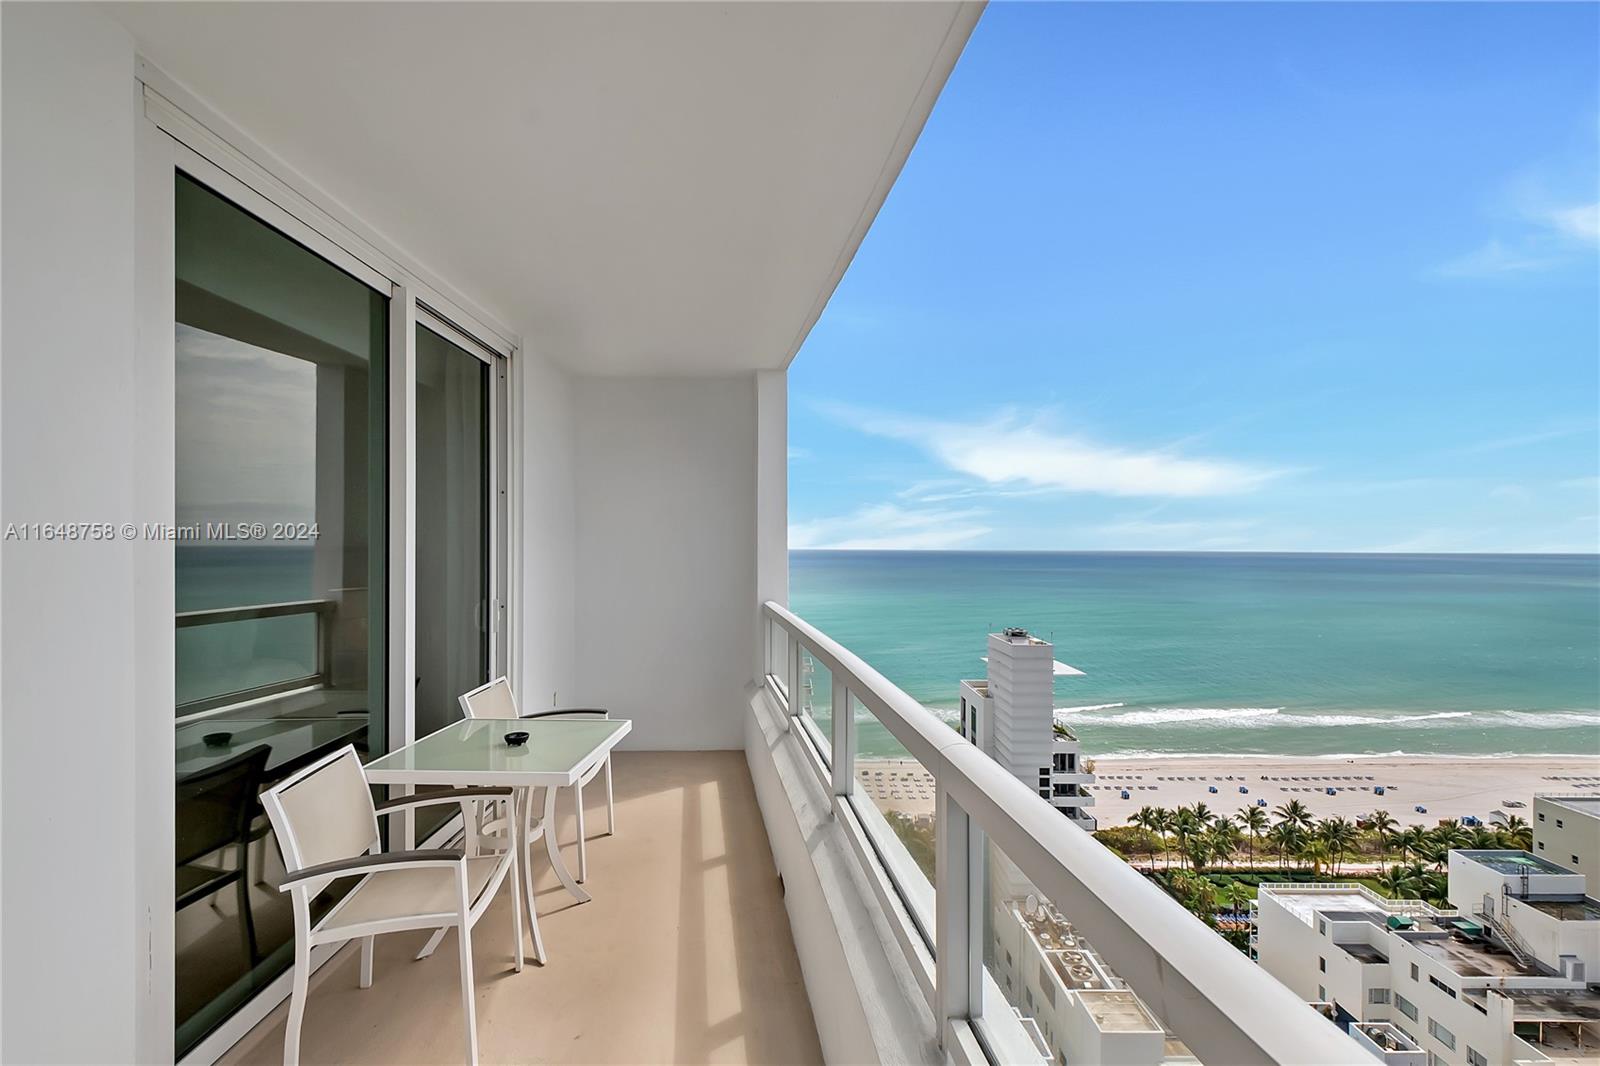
1448,787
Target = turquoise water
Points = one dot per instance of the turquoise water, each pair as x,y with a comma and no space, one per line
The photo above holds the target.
1239,653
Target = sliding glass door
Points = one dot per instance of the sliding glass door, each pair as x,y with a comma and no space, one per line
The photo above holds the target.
281,571
453,623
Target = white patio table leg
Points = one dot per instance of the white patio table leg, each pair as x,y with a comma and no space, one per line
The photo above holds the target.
552,850
521,805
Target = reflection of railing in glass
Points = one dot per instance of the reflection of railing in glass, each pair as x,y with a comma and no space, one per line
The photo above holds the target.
320,650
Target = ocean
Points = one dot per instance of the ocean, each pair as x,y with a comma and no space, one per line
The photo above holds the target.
1249,654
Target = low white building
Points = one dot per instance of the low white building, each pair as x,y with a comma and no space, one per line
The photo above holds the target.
1501,977
1011,716
1076,1009
1566,830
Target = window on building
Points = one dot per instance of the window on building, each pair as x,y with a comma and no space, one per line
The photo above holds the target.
1322,994
1541,845
1559,824
1414,976
1044,780
1072,761
1406,1007
1475,1057
1322,927
1061,761
1322,965
1045,792
1441,986
1441,1034
1574,860
1541,816
1377,995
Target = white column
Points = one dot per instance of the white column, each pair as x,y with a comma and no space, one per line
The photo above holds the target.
402,710
772,495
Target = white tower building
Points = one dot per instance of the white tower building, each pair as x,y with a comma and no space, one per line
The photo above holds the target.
1011,716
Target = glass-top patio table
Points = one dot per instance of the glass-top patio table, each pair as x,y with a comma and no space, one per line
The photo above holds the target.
474,752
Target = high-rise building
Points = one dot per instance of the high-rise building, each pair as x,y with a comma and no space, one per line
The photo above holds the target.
1011,716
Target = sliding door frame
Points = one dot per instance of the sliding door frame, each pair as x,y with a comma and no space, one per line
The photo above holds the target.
182,134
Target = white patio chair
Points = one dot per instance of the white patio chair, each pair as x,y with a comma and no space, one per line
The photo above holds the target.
327,828
496,700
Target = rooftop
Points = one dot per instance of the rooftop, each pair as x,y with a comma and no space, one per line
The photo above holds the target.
1513,862
1471,958
1364,953
1568,910
1117,1011
1589,805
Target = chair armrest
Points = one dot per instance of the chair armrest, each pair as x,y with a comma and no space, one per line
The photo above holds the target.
454,795
363,864
570,712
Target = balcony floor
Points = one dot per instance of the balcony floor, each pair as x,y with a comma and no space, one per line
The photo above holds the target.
683,955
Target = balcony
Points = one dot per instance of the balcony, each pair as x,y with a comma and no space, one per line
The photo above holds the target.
683,955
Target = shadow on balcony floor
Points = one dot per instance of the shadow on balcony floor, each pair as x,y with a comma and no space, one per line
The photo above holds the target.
684,954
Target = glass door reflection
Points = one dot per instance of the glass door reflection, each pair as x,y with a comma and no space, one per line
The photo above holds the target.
452,539
281,491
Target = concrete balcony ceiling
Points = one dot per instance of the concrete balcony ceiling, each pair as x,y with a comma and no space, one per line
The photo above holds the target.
636,188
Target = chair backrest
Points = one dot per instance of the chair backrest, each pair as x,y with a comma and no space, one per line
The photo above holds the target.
324,812
215,805
493,700
571,712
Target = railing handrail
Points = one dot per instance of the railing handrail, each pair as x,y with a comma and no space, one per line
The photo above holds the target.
250,612
1225,1007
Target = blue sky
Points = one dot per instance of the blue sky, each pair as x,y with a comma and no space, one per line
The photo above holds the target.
1226,277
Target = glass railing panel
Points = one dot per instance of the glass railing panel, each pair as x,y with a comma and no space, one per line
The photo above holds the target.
895,799
1046,990
230,657
778,657
816,703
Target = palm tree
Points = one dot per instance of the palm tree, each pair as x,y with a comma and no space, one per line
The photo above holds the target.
1518,833
1396,881
1147,819
1288,839
1239,896
1203,815
1184,826
1410,840
1316,852
1382,826
1340,836
1253,820
1162,823
1223,840
1295,813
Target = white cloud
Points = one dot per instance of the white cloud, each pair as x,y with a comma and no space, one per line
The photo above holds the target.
1495,259
1581,223
1015,453
886,527
1544,237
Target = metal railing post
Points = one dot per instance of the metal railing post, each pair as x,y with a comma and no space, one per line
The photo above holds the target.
844,739
793,678
958,959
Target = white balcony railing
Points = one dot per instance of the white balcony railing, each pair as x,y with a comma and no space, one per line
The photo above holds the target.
1219,1003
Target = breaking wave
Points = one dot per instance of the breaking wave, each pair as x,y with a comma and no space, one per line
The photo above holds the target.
1275,717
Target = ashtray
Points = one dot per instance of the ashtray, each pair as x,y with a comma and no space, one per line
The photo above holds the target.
517,738
217,740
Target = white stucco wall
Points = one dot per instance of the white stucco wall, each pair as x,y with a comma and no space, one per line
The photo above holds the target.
74,956
666,560
544,656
